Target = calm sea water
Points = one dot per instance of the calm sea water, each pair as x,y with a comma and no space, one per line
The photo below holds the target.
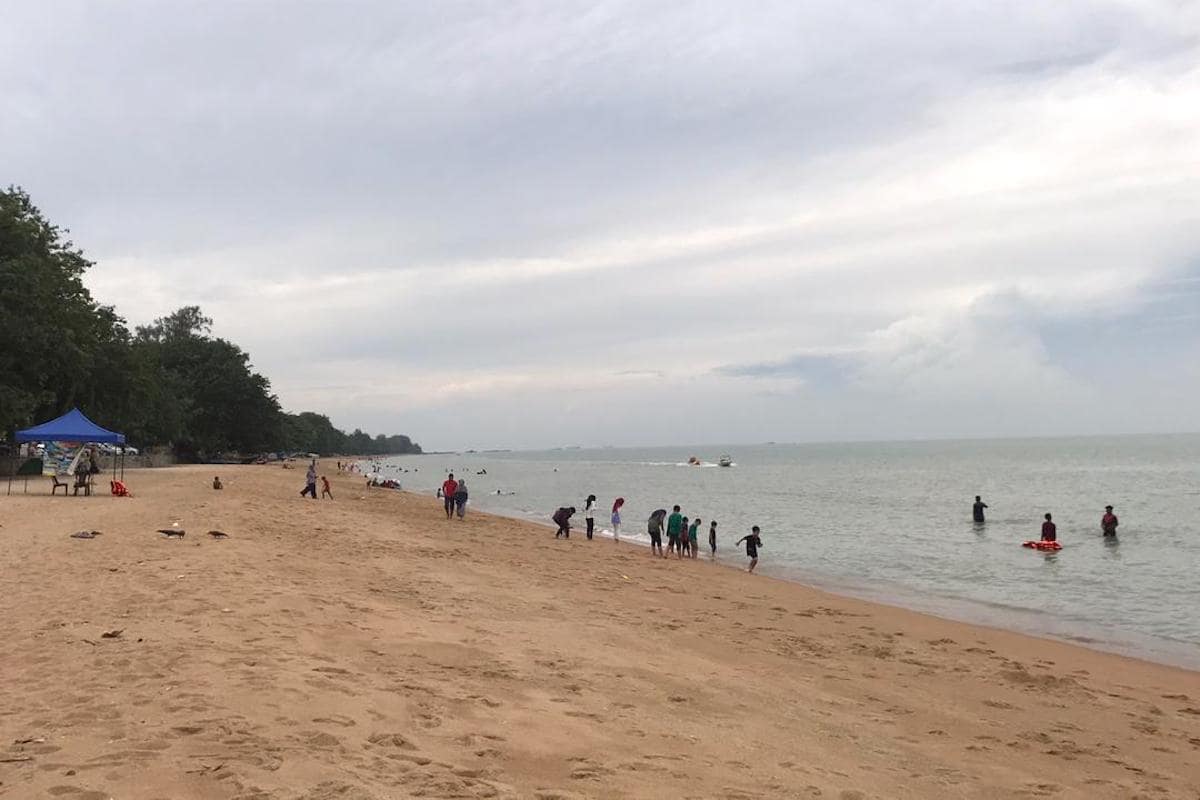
892,522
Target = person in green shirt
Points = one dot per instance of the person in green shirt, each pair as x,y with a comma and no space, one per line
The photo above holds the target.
674,527
694,533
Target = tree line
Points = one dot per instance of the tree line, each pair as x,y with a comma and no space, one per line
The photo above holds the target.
167,383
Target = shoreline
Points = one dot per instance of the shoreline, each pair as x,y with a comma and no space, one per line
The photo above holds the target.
365,648
1167,652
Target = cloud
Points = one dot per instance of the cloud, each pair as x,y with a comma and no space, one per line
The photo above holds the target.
507,225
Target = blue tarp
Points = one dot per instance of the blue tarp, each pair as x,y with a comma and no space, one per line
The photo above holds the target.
72,426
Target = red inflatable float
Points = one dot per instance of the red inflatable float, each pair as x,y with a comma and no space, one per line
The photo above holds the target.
1043,545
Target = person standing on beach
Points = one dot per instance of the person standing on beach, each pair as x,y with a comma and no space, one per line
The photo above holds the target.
310,481
449,487
1049,531
674,526
681,543
753,542
693,535
589,515
712,538
460,498
654,526
562,518
616,518
977,511
1109,522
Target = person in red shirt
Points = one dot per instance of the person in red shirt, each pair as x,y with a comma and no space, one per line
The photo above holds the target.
1109,522
448,490
1049,531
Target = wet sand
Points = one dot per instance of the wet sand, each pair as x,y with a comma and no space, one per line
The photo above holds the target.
366,648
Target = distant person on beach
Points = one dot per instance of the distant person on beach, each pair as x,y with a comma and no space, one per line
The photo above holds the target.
712,538
681,542
1049,531
589,514
217,482
654,526
616,517
449,487
977,511
753,542
325,490
1109,522
674,526
460,498
310,481
693,535
562,518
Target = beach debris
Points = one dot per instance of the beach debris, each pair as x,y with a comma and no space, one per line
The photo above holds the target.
112,634
173,533
15,759
218,534
85,534
30,740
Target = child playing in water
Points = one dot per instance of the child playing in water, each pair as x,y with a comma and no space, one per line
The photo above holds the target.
753,542
712,538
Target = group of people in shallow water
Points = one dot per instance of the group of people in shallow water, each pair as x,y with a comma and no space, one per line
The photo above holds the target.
681,534
1108,522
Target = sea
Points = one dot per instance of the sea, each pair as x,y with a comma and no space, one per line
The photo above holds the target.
891,522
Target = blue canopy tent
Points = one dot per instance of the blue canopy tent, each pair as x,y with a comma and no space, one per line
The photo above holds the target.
72,426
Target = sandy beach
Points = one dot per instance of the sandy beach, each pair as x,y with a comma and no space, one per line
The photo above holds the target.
365,648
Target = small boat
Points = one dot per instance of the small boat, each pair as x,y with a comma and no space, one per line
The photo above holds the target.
725,461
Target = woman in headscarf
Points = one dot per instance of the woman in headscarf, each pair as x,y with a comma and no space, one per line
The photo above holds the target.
460,497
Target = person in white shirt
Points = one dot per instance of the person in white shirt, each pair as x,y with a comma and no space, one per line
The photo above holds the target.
589,514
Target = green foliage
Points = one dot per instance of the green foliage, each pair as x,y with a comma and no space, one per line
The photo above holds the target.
170,383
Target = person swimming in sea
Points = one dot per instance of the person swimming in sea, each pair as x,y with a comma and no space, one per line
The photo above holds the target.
1049,530
753,542
1109,522
977,510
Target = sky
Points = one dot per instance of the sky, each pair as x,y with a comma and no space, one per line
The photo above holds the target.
618,223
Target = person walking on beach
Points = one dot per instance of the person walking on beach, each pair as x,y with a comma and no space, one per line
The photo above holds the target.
589,515
977,511
1049,530
1109,522
562,518
693,535
460,497
310,481
654,526
712,538
325,491
449,487
616,518
753,542
674,526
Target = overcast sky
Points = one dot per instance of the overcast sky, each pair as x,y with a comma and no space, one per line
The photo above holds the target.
536,224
